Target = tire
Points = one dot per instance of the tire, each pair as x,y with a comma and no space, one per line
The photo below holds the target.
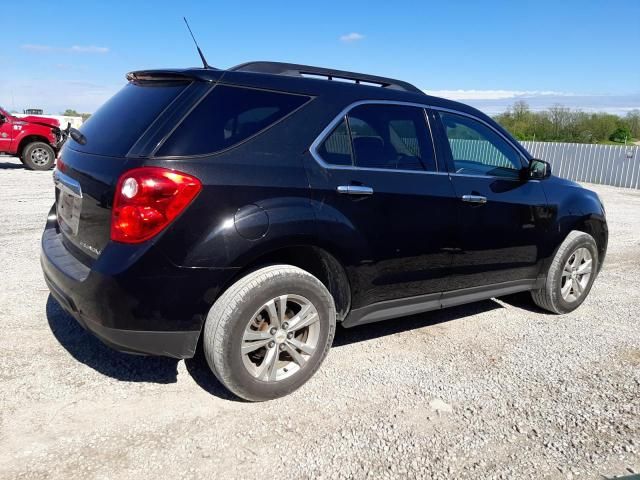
38,156
244,309
553,297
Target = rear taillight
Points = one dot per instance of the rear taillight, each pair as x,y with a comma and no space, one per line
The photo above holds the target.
148,199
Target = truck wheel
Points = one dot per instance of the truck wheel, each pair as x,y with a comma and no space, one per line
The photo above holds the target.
38,156
269,332
570,275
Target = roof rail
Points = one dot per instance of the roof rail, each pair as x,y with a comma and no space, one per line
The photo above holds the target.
292,69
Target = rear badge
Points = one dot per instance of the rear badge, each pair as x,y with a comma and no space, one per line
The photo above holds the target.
90,248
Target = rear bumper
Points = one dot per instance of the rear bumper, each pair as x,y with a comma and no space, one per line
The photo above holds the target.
147,307
140,342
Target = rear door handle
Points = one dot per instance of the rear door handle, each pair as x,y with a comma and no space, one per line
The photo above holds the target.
355,190
479,199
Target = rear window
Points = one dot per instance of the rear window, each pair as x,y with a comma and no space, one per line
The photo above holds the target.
116,125
226,117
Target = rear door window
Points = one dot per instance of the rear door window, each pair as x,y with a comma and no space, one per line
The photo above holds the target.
336,149
393,137
227,116
116,125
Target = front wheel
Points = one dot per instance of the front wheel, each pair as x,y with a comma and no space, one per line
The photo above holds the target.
570,275
269,332
38,156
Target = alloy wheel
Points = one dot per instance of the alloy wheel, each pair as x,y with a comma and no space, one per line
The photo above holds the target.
280,338
576,274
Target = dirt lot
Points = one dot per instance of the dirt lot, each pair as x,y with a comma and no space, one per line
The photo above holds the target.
496,389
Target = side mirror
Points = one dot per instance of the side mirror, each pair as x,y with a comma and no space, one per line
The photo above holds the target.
539,169
2,119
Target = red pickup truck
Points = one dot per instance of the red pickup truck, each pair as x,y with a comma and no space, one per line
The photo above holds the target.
35,140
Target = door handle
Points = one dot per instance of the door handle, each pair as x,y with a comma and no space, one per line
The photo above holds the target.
479,199
355,190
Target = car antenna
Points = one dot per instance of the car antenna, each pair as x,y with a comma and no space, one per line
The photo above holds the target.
204,60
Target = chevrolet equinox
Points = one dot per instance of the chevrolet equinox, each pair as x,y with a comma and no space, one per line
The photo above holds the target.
253,209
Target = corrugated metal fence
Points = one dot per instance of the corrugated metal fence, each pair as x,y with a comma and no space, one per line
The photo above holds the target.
478,150
604,164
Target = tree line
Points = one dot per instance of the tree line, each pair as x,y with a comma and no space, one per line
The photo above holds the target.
562,124
72,113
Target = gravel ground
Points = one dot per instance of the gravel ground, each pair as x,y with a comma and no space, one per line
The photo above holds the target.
497,389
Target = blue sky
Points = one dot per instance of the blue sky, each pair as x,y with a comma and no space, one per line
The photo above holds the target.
584,54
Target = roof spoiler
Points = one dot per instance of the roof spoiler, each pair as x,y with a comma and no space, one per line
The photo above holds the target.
206,75
292,69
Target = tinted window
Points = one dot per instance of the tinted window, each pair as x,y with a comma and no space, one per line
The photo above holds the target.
391,137
116,125
477,149
227,116
336,149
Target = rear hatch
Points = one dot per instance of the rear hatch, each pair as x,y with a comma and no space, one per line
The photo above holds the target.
114,139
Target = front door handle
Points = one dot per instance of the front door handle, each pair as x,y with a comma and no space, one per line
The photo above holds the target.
355,190
479,199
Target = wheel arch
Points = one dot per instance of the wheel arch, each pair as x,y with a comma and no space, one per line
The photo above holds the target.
592,224
584,212
573,207
595,226
31,139
316,260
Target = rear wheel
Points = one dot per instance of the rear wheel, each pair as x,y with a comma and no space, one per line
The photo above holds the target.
570,276
269,332
38,156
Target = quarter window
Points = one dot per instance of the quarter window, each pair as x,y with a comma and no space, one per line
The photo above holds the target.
226,117
477,149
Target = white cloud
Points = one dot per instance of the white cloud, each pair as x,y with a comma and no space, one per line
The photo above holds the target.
493,94
88,49
351,37
35,48
493,102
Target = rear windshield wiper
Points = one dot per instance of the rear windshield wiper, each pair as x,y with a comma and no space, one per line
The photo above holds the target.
77,135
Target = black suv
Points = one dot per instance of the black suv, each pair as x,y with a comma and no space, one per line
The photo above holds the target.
259,206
